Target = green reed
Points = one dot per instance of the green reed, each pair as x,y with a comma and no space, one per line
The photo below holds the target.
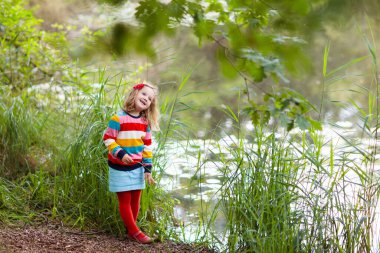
284,194
72,185
301,191
19,128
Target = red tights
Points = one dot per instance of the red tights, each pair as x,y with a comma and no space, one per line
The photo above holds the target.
129,205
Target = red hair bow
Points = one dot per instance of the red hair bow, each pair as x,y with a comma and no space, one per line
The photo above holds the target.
138,86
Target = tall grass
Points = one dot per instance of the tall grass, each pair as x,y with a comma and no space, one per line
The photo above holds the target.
19,133
256,197
74,186
302,191
298,193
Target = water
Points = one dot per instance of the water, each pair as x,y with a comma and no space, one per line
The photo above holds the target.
193,173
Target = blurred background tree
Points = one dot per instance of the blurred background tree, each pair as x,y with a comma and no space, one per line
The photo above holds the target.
252,40
261,49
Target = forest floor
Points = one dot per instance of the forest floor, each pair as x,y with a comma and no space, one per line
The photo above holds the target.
57,238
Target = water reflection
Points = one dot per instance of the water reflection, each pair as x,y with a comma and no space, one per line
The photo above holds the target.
195,170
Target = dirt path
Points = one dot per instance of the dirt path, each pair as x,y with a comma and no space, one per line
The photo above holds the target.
55,238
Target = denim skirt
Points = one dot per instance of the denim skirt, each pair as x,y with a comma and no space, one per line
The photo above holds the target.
120,181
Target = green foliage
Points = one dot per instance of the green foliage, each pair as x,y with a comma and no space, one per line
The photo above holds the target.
271,29
19,132
259,66
28,55
234,25
256,197
284,194
75,188
51,136
253,39
287,108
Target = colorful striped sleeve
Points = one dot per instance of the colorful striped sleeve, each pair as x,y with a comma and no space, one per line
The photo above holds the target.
110,136
147,151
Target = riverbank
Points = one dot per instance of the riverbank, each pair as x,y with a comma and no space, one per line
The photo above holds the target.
56,238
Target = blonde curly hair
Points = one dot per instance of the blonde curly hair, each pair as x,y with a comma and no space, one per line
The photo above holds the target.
151,114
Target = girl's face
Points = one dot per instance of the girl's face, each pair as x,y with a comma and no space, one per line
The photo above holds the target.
144,98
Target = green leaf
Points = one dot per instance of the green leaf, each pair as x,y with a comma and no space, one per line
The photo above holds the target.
290,125
231,113
325,58
284,120
203,28
302,123
255,118
226,67
346,65
315,124
176,9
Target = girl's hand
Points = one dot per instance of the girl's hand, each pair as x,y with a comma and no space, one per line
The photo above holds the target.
149,178
127,159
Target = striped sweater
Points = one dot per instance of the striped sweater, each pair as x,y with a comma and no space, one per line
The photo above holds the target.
128,134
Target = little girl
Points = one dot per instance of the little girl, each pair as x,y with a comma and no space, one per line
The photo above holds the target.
128,139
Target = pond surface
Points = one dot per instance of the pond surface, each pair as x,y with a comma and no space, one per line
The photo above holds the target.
193,174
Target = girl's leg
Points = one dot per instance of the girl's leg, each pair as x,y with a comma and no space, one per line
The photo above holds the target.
125,208
135,203
125,200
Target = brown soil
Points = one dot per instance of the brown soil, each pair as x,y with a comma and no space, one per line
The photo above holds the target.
56,238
